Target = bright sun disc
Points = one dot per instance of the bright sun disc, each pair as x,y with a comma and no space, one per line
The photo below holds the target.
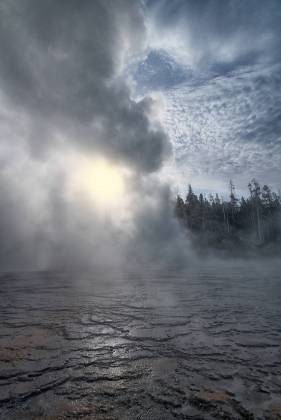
99,180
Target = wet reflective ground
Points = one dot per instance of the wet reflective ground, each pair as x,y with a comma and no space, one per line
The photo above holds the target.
194,345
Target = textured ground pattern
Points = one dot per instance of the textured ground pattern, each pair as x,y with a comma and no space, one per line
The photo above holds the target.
196,345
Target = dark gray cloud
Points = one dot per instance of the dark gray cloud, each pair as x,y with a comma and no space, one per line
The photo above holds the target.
63,91
222,35
62,64
159,71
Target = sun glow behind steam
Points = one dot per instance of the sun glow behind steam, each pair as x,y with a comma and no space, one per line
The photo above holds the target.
101,183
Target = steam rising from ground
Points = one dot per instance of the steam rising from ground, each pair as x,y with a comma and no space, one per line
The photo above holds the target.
68,121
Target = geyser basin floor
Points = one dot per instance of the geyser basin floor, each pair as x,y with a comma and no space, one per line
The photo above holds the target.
196,345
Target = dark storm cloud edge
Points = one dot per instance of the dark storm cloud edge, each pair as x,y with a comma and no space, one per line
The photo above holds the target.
60,79
224,35
61,64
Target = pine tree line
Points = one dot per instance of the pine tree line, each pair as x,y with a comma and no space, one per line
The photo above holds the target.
249,221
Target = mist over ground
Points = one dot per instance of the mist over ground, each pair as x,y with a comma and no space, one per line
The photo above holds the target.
64,98
92,92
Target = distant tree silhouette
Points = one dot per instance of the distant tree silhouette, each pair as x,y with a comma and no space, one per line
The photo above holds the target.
249,221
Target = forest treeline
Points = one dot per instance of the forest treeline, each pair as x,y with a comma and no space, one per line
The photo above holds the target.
235,223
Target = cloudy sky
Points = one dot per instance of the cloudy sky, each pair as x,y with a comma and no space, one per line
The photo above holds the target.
217,64
104,102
